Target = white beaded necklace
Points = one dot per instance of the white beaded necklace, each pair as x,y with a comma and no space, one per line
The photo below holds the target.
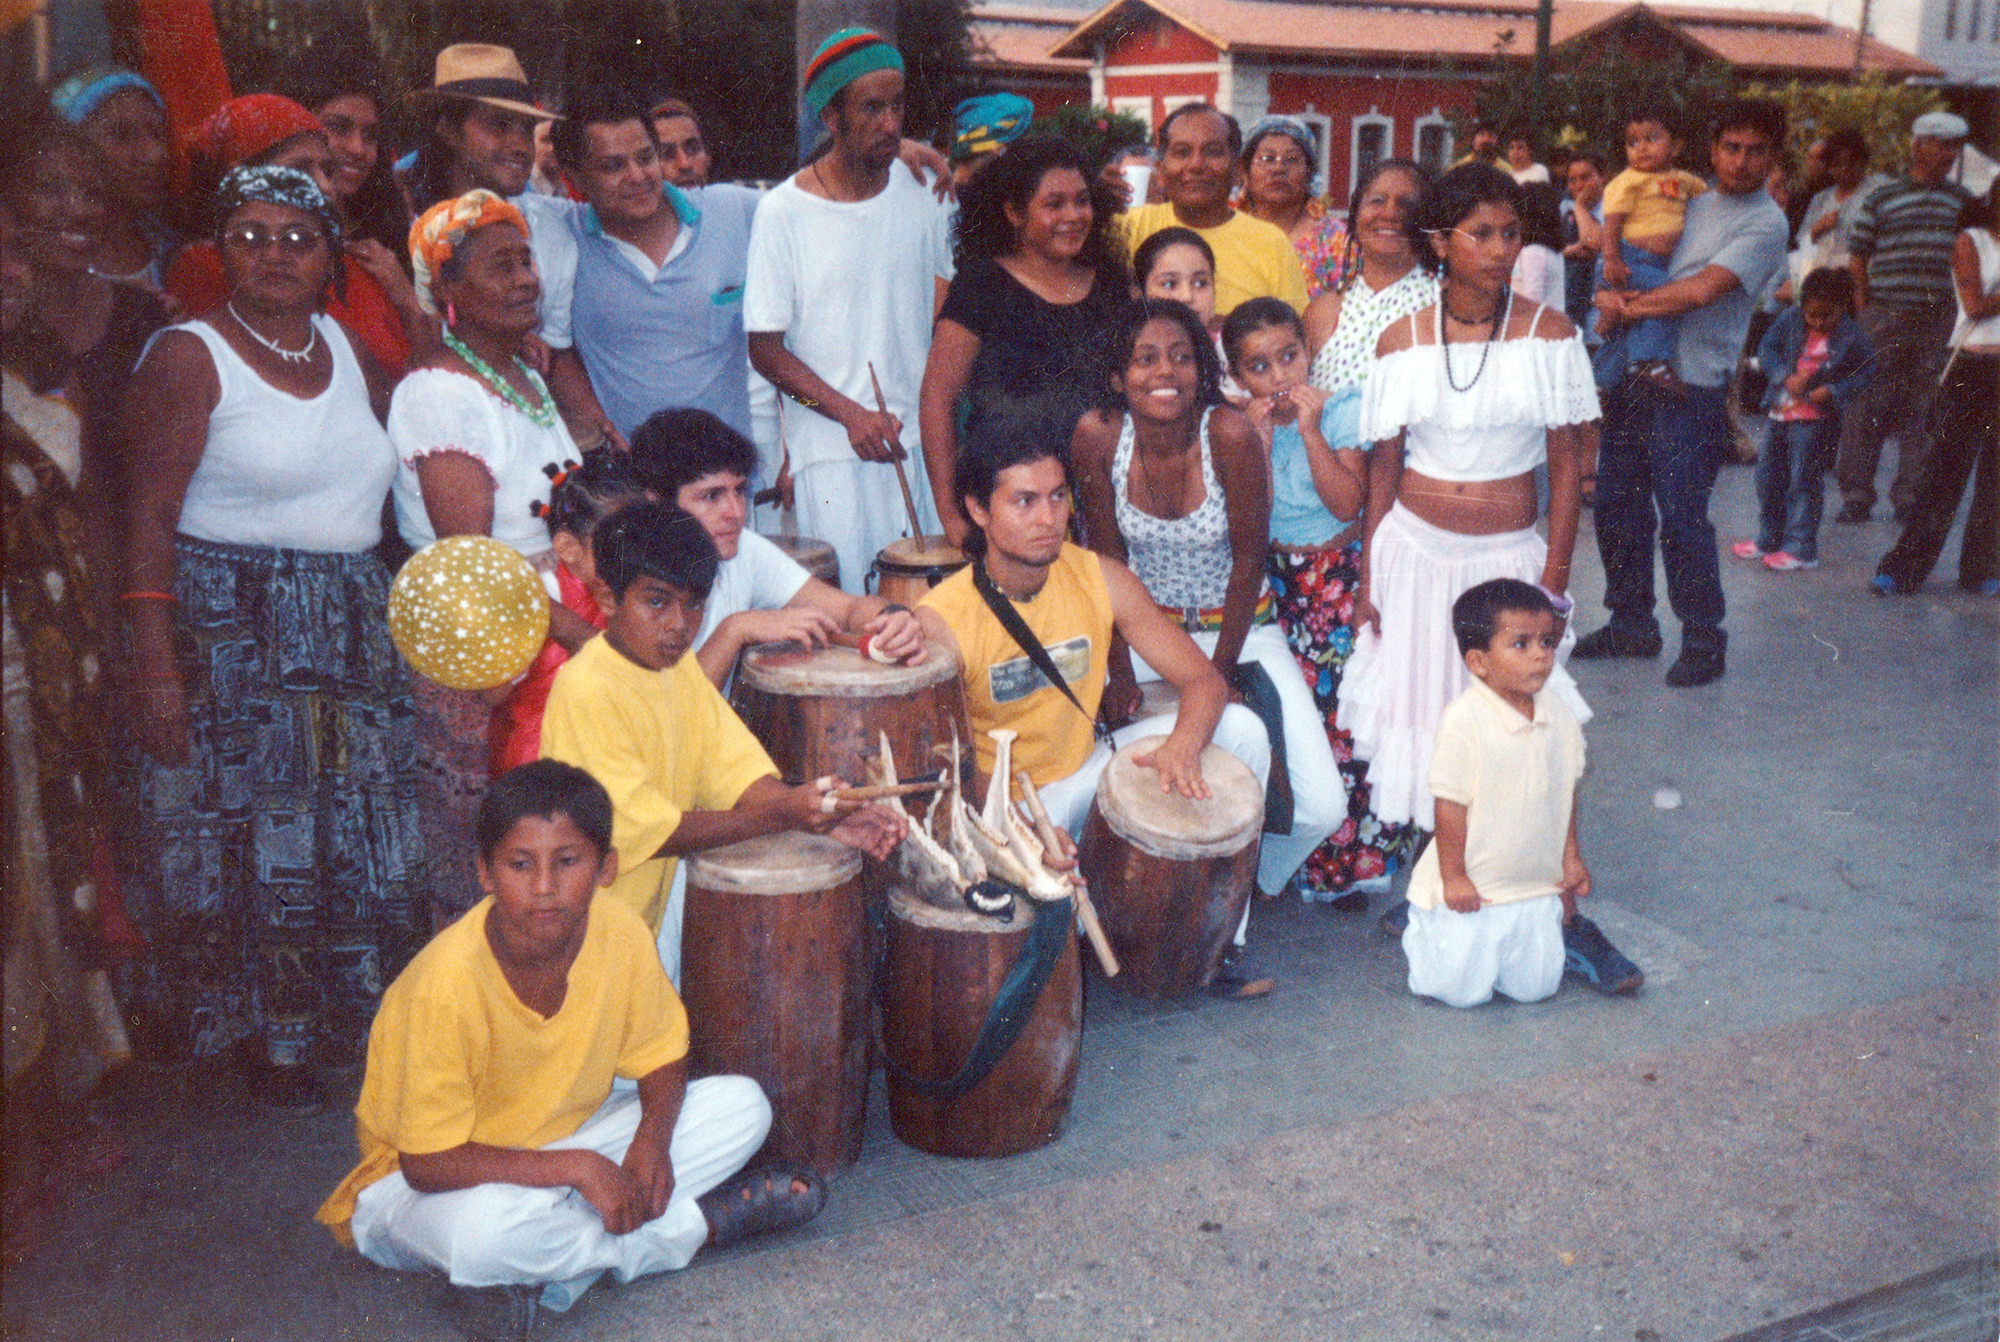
288,355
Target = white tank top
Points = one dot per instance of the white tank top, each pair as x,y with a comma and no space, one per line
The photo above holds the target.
287,473
1984,333
1181,561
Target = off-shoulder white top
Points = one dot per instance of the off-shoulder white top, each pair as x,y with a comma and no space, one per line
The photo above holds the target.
1495,429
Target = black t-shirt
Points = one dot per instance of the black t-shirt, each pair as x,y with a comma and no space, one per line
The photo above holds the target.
1038,362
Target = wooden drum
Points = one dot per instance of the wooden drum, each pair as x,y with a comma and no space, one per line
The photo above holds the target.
907,569
814,556
776,975
1171,876
945,967
822,712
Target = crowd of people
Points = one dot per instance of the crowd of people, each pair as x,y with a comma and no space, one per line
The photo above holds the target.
1319,472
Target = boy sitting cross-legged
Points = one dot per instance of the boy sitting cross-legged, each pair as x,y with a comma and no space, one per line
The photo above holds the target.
492,1144
1492,899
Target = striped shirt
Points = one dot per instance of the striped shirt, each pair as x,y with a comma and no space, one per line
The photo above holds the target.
1904,231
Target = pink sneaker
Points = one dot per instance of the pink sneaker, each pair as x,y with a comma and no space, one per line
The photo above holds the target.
1780,562
1748,550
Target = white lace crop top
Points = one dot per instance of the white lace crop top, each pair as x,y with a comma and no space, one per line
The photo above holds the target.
1181,561
1495,429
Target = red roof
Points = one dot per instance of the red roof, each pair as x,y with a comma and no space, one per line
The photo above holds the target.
1019,37
1406,31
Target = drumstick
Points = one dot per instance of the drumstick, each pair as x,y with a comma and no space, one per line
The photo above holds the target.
909,499
1086,912
879,791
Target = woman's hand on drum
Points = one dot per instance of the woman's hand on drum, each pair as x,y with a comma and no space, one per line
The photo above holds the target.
1179,768
787,624
163,717
896,634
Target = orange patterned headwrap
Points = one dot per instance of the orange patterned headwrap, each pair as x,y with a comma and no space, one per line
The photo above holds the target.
440,229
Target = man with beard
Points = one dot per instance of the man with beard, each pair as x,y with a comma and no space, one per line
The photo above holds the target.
849,259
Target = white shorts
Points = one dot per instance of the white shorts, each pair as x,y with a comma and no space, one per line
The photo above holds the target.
1461,959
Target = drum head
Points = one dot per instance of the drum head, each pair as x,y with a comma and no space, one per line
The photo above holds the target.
776,864
922,554
1166,824
906,904
796,671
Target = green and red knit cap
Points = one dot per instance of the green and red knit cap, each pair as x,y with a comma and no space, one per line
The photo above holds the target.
844,58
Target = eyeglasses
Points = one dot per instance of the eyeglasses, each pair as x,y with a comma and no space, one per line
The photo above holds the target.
295,240
1280,160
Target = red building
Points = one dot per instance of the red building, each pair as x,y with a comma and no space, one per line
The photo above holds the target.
1380,78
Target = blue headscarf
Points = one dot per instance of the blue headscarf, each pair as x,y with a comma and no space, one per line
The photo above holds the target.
85,91
989,121
273,185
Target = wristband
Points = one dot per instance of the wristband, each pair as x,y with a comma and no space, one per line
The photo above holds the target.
167,597
895,606
1560,600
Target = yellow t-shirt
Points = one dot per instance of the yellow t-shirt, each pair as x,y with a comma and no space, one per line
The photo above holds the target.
661,743
1253,259
1517,780
455,1057
1654,203
1071,616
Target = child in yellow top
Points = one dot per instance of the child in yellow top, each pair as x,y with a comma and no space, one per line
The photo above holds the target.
635,711
492,1144
1493,898
1645,207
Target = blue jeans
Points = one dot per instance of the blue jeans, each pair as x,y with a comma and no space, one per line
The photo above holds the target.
1651,340
1654,473
1791,484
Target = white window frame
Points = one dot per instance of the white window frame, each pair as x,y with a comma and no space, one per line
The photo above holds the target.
1139,105
1437,118
1374,116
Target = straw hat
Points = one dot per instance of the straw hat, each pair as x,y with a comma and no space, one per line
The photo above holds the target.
481,72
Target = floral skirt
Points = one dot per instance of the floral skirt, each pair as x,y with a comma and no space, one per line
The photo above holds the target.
285,890
1315,598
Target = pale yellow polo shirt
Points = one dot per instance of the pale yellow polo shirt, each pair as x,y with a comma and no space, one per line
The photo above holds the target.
1517,780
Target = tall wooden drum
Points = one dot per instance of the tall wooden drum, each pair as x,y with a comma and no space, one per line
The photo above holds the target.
814,556
945,968
822,712
1171,876
907,569
776,975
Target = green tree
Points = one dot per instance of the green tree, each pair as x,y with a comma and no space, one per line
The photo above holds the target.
1590,93
1880,110
1098,131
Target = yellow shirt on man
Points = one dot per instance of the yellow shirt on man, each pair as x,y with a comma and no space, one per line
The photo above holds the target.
1071,616
662,743
1253,259
454,1056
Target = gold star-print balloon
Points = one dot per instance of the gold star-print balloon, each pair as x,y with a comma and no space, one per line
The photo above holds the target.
468,612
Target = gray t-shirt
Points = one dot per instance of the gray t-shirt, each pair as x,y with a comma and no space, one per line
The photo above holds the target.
1746,236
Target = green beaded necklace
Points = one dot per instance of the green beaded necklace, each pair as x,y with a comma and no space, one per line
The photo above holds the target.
542,416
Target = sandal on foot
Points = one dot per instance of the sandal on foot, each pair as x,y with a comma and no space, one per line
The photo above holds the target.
758,1202
1235,988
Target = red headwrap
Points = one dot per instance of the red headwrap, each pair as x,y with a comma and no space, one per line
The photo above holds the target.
243,128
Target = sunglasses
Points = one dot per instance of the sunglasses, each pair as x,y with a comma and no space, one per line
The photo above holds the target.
295,240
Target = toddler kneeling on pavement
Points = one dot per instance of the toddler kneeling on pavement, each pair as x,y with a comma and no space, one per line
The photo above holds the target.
1493,898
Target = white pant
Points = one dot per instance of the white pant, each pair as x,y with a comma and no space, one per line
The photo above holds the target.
1319,792
1240,732
1461,958
856,507
494,1234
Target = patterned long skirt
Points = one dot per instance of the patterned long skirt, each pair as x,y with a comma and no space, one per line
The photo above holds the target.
1315,603
287,881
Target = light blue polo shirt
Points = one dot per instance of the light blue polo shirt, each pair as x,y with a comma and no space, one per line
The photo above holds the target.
1746,236
675,338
